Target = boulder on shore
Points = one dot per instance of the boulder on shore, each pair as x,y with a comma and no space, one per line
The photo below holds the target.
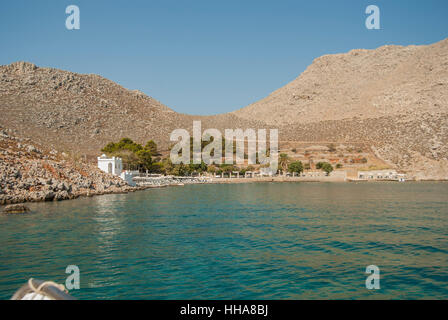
16,209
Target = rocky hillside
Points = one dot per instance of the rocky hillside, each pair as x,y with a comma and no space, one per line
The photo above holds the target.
30,173
393,98
388,81
418,147
79,113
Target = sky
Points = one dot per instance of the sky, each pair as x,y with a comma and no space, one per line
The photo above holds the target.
206,57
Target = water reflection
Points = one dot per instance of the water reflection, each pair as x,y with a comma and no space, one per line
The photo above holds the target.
248,241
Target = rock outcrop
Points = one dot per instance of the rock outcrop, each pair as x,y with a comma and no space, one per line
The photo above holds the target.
79,114
30,174
16,209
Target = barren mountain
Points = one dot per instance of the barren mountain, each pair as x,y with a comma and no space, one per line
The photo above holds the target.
393,99
79,113
388,81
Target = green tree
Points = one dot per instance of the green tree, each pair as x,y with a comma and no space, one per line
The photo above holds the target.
157,167
151,146
123,144
180,170
125,149
130,159
227,168
202,167
246,169
283,161
167,166
144,159
296,167
211,169
325,166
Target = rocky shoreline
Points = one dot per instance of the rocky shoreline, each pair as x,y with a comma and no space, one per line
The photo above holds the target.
29,173
165,181
63,191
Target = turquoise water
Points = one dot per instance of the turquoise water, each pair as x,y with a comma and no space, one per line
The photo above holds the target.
245,241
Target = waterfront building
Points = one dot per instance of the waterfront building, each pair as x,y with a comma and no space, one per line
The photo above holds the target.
112,165
381,175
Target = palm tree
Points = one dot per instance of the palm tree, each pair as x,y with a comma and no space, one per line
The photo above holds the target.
283,162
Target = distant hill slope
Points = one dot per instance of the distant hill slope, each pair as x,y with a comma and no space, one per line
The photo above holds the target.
81,113
391,80
394,98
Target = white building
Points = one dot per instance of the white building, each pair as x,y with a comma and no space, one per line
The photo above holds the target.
112,165
381,175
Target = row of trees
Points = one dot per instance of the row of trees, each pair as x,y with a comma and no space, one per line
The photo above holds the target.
147,158
297,166
134,155
187,169
224,142
325,166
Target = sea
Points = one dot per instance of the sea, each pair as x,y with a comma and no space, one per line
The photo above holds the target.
296,240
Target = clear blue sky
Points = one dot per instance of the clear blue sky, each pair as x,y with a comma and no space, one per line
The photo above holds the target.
206,57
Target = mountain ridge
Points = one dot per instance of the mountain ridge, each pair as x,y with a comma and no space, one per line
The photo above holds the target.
83,112
353,82
393,98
